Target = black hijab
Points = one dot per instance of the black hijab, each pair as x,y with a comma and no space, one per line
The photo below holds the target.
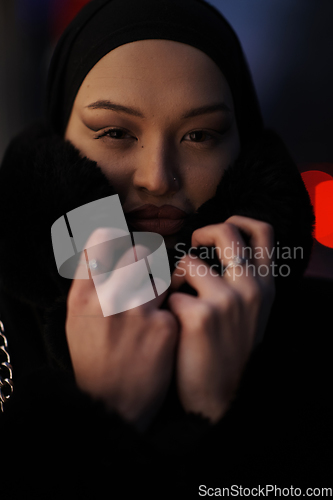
103,25
264,183
41,169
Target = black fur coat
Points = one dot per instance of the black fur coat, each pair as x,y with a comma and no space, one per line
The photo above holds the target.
56,442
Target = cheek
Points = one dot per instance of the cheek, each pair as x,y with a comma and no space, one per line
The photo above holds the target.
202,185
203,176
115,171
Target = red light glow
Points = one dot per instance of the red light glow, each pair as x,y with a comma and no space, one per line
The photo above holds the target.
320,188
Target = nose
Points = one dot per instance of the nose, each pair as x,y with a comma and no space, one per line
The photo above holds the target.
155,172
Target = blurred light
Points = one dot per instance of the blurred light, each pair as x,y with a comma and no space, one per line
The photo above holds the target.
324,213
320,188
62,12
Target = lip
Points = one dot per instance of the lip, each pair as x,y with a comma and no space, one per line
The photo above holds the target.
164,220
154,212
164,227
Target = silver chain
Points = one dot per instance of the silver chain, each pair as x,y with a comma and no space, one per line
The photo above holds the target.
6,370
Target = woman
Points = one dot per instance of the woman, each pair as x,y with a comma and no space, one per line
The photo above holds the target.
153,101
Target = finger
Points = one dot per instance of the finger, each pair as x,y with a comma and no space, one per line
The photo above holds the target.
202,277
178,277
83,290
261,238
228,244
119,281
182,305
106,253
130,286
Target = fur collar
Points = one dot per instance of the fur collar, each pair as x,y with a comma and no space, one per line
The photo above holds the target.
43,176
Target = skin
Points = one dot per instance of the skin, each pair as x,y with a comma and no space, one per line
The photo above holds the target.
164,80
127,359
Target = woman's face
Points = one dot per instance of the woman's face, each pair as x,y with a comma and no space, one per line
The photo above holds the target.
151,111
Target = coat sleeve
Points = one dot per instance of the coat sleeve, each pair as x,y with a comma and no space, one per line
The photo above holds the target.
277,430
65,445
56,441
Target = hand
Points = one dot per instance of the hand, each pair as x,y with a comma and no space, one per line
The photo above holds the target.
220,325
125,359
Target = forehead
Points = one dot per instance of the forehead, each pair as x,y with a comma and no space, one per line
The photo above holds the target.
153,71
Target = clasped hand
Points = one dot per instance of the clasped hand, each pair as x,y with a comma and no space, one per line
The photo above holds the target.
127,359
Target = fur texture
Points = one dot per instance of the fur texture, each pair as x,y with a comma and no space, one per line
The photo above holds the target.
263,438
44,177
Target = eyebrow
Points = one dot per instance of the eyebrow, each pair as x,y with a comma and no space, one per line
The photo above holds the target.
205,110
202,110
111,106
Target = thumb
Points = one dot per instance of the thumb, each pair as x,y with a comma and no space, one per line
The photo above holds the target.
181,304
96,249
178,278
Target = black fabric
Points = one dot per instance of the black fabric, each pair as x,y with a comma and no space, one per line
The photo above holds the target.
51,178
104,25
57,442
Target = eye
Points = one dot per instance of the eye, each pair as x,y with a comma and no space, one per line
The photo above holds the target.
115,133
198,136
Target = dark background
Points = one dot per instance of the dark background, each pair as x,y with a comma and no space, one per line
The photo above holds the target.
288,44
